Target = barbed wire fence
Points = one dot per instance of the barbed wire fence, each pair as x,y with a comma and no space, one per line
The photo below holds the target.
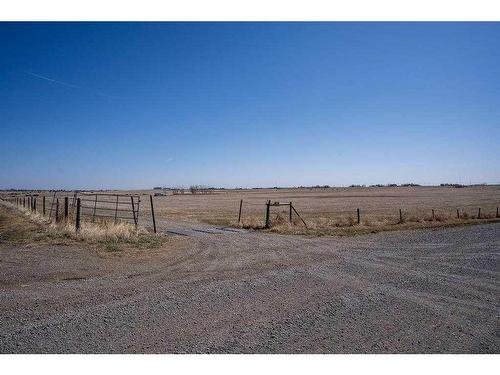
400,215
73,206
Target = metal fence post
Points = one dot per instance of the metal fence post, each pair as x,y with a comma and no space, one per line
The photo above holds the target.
57,210
133,210
43,205
400,216
66,208
34,204
116,208
95,207
359,217
152,213
77,222
479,213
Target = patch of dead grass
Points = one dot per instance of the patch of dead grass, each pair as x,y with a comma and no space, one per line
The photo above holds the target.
23,226
346,225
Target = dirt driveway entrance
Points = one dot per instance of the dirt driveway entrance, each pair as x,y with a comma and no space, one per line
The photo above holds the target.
225,292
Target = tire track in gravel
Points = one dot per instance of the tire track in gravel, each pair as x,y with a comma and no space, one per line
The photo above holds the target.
256,292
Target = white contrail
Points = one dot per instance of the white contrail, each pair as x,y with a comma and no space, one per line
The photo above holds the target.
67,84
53,80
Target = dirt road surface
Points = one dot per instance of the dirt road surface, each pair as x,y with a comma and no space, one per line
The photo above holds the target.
219,291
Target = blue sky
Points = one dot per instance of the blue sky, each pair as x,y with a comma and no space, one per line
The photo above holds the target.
110,105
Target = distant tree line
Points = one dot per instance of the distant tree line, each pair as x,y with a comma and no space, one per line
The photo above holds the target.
204,189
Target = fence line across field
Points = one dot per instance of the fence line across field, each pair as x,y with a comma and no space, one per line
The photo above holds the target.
77,204
402,213
115,206
72,205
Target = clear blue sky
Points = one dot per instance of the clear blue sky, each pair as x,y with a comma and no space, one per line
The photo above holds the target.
85,105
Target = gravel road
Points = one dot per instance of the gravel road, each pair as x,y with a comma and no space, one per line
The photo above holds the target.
246,292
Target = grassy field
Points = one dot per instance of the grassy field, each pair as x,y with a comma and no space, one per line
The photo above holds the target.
328,210
333,210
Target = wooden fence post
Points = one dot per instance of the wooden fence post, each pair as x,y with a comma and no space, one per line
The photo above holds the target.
268,205
400,216
433,217
359,217
77,222
239,214
57,210
43,205
34,204
458,214
152,213
497,213
479,213
290,212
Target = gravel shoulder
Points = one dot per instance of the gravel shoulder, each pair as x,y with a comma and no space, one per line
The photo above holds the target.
431,291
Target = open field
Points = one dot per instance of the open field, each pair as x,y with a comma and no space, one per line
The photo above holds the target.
326,211
251,292
333,210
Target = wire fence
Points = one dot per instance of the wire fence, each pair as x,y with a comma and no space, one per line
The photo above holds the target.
359,216
73,206
127,207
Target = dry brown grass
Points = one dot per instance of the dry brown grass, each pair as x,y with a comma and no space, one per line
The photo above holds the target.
331,210
33,228
100,230
333,204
